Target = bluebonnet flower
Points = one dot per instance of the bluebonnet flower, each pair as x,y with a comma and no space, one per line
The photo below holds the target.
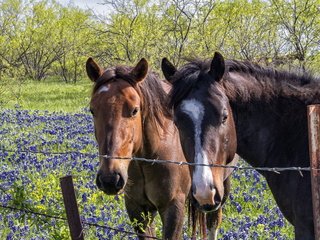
248,212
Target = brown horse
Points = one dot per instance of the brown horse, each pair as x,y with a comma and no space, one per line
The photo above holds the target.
270,114
131,119
208,136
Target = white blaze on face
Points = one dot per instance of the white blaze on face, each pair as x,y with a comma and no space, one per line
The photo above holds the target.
202,176
103,89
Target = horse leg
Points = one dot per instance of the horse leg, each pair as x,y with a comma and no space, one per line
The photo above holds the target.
303,235
172,216
304,232
214,220
142,219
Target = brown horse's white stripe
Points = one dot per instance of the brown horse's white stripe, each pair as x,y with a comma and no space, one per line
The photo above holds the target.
202,176
108,74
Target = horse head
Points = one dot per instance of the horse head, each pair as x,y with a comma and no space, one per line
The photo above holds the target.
116,108
207,131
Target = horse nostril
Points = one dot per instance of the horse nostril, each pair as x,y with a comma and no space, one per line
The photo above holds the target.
119,181
217,198
110,183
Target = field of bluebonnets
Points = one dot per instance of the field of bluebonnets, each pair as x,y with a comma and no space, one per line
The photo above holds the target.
30,181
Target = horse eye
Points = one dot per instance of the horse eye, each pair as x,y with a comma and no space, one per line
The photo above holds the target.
134,111
91,112
224,116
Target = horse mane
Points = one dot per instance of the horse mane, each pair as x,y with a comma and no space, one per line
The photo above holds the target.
252,82
153,96
185,79
258,82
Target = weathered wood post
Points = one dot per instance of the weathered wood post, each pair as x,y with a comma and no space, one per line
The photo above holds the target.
70,204
314,149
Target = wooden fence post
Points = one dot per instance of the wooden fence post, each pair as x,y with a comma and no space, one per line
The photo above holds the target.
70,204
314,149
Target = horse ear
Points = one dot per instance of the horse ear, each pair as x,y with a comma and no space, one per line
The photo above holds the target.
93,69
140,71
168,69
217,67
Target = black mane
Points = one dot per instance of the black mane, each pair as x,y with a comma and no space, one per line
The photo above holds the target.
185,79
257,82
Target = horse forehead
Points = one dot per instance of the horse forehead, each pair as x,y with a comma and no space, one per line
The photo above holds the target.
118,86
193,108
116,93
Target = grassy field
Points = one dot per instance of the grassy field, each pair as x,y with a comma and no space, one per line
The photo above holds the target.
50,95
53,117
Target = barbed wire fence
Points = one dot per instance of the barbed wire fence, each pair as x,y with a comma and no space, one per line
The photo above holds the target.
90,224
59,217
276,170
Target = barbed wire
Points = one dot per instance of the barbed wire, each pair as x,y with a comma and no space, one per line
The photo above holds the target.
59,217
82,221
277,170
27,211
151,161
268,169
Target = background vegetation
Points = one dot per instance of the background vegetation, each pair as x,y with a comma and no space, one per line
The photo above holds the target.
43,48
40,39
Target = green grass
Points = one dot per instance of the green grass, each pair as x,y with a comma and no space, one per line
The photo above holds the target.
51,95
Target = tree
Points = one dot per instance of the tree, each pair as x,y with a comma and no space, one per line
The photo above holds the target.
130,33
177,20
299,26
11,18
39,38
38,43
74,41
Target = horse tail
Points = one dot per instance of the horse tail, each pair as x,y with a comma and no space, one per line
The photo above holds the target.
196,218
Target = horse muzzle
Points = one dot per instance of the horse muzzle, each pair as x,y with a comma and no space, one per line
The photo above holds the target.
111,183
207,202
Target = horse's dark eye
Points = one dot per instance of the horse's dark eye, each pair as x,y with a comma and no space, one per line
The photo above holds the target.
91,112
134,111
224,116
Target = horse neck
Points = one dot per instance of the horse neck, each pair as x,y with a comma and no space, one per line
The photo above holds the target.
160,142
266,127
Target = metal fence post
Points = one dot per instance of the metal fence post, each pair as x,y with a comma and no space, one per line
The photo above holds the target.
314,149
71,207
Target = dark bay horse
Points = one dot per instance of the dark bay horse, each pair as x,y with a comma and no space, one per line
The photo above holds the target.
131,119
207,132
270,114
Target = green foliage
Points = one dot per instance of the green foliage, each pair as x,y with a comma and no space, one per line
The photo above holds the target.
42,38
39,39
299,23
251,30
